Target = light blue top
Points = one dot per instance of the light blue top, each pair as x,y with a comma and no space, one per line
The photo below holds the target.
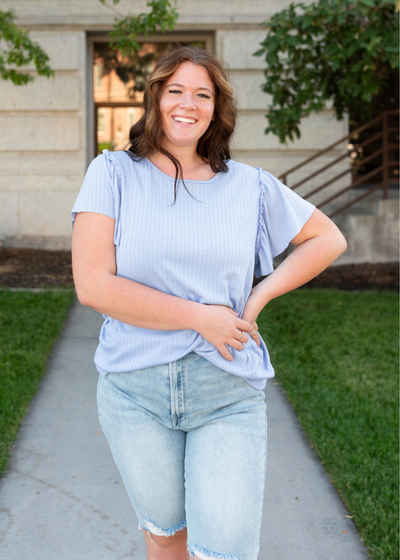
203,250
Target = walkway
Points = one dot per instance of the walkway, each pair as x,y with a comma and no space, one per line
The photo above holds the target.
63,499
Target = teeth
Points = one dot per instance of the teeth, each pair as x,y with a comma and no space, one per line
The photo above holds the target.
181,119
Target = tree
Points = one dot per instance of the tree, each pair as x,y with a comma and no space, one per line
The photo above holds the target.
339,50
20,51
123,35
124,57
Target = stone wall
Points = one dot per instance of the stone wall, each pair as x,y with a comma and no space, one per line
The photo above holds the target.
44,146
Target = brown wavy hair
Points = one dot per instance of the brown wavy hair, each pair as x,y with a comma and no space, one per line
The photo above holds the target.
145,136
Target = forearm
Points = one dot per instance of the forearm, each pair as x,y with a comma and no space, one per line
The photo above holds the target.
304,263
139,305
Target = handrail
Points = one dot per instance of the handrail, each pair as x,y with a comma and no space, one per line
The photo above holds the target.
360,182
355,183
357,131
335,161
384,150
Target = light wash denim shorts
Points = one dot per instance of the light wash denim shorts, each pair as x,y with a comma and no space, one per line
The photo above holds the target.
190,442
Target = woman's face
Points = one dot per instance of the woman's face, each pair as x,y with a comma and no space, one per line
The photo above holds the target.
188,93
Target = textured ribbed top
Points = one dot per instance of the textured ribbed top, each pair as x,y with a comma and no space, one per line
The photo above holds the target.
205,248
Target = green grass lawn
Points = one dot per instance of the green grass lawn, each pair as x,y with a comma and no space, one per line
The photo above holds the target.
335,354
29,325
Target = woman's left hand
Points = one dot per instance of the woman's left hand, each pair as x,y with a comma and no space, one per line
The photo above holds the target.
250,315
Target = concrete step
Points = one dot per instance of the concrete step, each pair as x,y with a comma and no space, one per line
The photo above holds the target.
370,226
343,219
373,238
368,206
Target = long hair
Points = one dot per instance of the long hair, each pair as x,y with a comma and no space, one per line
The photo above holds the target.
145,136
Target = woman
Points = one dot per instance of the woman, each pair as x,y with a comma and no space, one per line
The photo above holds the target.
181,364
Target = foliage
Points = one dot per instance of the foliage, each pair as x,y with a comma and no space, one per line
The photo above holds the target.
126,57
20,51
336,355
134,68
105,146
29,325
339,50
162,16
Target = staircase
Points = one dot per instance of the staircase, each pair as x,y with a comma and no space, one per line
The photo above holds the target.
367,210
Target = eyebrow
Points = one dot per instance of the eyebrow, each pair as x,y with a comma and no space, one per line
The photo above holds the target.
181,85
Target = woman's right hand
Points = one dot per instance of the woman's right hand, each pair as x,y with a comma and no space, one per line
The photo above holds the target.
220,325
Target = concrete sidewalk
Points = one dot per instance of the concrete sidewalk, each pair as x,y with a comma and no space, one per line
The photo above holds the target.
62,497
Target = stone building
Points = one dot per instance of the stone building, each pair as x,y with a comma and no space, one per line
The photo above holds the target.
52,128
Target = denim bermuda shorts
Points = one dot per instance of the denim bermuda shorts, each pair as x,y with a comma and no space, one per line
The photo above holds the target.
190,442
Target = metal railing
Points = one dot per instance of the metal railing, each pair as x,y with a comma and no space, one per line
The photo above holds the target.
387,163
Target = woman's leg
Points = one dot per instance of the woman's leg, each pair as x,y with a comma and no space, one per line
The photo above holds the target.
225,462
189,440
225,480
167,548
149,457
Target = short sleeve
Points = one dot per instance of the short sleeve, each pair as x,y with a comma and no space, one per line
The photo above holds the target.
100,190
282,214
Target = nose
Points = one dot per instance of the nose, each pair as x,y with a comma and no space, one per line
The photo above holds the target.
187,102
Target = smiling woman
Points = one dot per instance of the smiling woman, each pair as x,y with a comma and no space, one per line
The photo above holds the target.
182,366
186,114
190,115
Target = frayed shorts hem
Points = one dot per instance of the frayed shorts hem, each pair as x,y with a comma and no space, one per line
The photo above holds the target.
200,552
156,530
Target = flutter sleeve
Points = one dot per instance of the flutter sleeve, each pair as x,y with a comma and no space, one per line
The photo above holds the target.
282,214
101,190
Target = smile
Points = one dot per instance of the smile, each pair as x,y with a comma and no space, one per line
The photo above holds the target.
184,121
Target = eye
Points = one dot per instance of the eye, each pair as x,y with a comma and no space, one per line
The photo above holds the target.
178,91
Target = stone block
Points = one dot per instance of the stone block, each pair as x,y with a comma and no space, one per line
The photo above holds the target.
389,209
247,89
192,13
238,47
8,214
318,131
39,132
20,163
46,213
371,239
58,93
65,49
41,182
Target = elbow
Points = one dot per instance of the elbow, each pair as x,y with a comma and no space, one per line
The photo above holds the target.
84,294
92,290
339,246
338,240
83,297
342,244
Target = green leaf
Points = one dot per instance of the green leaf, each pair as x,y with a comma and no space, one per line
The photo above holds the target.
259,53
330,53
367,96
19,52
306,22
161,16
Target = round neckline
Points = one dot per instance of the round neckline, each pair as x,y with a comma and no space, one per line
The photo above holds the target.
173,178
